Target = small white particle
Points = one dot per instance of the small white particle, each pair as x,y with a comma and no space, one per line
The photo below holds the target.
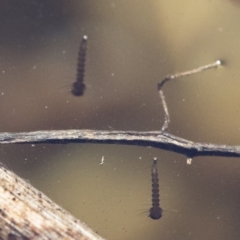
189,161
102,161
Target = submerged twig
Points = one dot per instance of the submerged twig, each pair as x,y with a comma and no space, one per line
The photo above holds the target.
154,139
178,75
166,113
190,72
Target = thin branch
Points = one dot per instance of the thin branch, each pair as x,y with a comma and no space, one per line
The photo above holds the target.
154,139
166,113
178,75
189,72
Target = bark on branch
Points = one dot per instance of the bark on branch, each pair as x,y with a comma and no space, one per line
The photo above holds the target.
154,139
26,213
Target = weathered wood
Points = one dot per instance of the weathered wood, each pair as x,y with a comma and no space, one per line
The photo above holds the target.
26,213
155,139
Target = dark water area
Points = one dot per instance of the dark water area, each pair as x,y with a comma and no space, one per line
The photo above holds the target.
131,47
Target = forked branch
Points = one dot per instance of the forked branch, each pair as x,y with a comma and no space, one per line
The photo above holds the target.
157,139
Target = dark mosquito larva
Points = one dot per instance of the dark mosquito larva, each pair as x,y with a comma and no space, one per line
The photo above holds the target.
155,212
79,87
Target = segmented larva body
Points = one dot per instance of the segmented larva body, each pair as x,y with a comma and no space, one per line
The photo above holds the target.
79,87
155,212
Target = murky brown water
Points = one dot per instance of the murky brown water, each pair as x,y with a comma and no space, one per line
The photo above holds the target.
131,47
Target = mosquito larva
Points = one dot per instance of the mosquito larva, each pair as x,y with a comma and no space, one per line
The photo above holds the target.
155,212
79,87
